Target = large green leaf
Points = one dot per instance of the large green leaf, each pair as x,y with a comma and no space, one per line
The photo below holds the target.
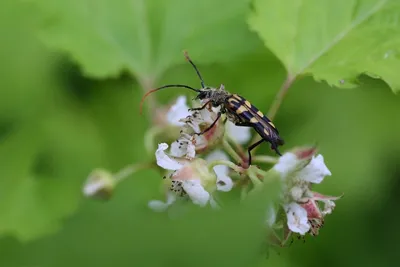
42,175
332,40
47,145
125,232
145,37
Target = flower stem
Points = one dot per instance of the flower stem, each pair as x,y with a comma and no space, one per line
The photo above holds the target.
228,148
230,164
265,159
238,147
276,104
146,84
280,96
131,169
243,193
149,138
254,179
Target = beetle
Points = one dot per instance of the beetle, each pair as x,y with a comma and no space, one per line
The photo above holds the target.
236,108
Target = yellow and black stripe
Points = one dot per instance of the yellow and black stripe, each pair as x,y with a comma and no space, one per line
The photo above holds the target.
248,115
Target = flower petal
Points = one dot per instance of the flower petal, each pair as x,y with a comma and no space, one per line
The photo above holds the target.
329,205
196,192
178,149
207,116
328,201
220,170
224,183
312,208
184,147
178,111
164,161
239,134
297,220
315,171
190,149
160,206
91,188
100,183
287,164
321,197
214,203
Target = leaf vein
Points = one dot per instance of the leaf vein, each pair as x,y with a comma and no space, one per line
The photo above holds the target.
342,34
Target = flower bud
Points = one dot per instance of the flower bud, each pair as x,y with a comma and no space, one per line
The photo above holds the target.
99,184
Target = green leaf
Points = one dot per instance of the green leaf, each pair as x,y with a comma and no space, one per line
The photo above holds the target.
334,41
47,145
145,37
232,236
42,174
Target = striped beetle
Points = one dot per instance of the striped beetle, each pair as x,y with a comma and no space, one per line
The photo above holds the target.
237,109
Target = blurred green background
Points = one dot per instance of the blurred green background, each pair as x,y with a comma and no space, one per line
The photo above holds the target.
72,75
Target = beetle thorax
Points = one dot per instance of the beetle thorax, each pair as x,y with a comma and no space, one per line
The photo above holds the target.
216,96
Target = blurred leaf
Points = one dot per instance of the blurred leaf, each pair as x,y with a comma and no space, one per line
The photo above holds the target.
47,144
42,174
25,83
127,232
332,40
145,37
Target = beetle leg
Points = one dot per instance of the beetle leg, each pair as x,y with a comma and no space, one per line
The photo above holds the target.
252,147
202,107
275,147
212,124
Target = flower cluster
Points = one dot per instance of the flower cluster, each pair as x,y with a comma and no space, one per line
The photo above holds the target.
299,170
199,161
190,176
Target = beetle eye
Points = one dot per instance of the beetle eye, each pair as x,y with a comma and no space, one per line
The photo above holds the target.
201,95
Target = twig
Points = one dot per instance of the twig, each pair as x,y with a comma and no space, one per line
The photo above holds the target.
276,104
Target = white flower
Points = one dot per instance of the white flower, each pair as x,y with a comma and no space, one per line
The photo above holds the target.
300,169
196,192
191,122
239,134
287,164
315,171
184,147
190,178
297,220
178,111
160,206
189,141
224,182
164,161
329,205
328,201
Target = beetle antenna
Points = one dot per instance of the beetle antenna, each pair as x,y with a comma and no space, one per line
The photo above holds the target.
163,87
195,68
